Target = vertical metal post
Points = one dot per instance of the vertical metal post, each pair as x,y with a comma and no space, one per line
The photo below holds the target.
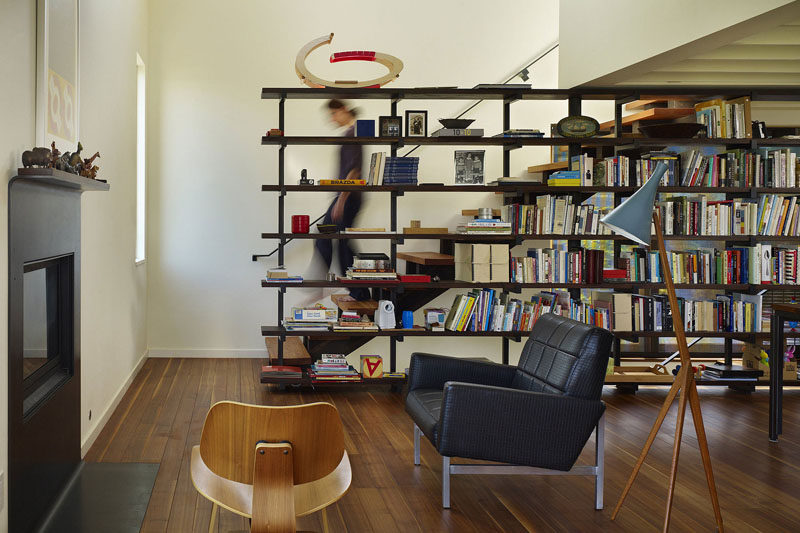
393,226
505,350
506,126
281,217
617,118
574,108
393,113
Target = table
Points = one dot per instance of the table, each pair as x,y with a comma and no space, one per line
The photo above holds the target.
780,314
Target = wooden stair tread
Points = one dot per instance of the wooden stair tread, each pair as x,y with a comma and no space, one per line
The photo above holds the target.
657,113
427,258
366,307
561,165
294,352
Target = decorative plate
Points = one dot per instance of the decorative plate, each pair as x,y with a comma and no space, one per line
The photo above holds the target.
577,127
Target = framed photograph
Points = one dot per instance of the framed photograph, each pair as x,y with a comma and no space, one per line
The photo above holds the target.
416,123
57,73
390,126
469,167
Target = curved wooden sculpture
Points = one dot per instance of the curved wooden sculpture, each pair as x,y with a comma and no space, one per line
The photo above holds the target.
390,62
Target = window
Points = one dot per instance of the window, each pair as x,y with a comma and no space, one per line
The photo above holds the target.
141,172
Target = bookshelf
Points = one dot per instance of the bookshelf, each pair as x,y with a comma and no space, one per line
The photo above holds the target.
521,193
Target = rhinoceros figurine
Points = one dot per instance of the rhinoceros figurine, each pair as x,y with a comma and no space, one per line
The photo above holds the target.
39,157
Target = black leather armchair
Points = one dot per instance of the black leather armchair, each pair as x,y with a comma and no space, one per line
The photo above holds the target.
537,416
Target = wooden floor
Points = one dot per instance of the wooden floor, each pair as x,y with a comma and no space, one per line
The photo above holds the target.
161,417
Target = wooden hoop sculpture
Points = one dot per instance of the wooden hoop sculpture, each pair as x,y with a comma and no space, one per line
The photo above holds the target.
390,62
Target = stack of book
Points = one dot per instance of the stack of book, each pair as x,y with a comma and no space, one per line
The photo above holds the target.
280,275
555,215
332,367
565,178
458,132
351,321
723,372
521,132
547,265
317,318
371,267
282,374
485,226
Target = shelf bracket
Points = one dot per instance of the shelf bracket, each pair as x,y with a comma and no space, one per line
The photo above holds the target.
400,338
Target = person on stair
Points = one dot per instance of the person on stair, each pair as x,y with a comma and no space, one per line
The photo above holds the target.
345,207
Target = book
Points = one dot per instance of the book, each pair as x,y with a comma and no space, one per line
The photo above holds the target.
342,182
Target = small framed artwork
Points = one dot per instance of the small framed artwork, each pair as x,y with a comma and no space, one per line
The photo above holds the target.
390,126
416,123
469,167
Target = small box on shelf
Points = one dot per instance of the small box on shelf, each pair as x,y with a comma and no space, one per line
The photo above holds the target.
481,263
753,357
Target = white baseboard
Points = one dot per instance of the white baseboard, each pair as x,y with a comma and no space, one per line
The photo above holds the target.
212,353
103,420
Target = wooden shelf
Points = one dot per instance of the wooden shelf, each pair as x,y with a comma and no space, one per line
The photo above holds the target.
547,167
62,179
305,381
271,331
427,258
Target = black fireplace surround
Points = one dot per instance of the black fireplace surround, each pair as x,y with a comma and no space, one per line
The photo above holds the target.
44,398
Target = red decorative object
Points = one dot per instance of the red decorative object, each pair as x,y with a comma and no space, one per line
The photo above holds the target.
415,278
300,223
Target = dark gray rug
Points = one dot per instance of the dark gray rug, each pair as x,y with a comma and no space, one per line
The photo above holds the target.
104,497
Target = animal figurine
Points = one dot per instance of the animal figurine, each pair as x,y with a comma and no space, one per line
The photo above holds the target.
87,168
75,160
55,153
39,157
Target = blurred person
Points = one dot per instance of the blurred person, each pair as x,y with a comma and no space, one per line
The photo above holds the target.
345,207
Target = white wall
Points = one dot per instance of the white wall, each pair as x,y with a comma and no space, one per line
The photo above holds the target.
206,212
113,305
599,38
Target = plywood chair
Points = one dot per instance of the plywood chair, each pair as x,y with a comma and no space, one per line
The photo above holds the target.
271,464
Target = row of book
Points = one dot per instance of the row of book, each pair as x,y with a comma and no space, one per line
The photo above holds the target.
735,312
758,264
548,265
770,214
728,119
352,321
555,215
487,310
391,170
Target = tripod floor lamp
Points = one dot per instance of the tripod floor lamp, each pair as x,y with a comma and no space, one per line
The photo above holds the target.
633,219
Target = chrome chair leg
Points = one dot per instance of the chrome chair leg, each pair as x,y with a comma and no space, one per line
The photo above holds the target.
446,482
599,454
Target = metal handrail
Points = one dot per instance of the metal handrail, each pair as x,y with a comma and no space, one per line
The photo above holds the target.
256,256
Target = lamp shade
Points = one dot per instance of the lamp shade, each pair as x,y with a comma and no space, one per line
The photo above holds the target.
633,217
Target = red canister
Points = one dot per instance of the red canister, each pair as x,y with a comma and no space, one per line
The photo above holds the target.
300,223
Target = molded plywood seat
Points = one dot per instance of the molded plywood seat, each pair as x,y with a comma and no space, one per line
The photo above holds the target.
269,463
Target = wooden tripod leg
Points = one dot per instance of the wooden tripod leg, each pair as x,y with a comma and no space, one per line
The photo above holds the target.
676,448
702,442
673,391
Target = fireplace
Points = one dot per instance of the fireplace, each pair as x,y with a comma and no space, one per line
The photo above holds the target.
44,383
47,329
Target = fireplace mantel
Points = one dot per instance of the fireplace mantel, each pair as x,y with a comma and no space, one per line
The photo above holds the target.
60,178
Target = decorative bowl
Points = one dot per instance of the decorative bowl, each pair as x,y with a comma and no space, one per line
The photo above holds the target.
674,130
456,123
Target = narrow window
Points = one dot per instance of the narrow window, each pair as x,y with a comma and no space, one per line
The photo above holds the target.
141,172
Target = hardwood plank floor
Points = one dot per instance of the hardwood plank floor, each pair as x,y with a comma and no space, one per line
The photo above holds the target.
161,417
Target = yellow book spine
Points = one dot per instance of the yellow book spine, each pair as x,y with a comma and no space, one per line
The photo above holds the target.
342,182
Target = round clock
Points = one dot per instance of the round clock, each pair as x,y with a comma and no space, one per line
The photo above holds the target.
578,127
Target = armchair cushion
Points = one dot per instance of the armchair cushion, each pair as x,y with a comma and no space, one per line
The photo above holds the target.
563,356
515,426
424,406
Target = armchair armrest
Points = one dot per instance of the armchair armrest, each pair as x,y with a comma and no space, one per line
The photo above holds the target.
515,426
429,371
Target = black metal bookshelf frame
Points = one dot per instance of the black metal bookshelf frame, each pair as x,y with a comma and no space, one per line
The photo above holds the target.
574,98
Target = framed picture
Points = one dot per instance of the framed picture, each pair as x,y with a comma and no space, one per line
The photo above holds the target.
416,123
469,167
57,73
390,126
